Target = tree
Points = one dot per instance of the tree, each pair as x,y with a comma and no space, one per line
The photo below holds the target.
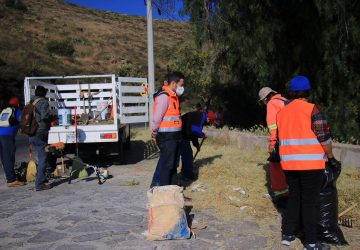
267,42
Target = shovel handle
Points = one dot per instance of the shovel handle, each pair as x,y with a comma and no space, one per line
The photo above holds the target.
347,210
197,151
30,151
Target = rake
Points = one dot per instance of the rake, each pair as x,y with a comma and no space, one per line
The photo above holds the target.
344,220
151,150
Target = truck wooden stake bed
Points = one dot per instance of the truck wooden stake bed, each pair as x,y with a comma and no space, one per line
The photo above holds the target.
122,97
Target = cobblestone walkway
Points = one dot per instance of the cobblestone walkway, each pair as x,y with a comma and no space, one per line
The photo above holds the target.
85,215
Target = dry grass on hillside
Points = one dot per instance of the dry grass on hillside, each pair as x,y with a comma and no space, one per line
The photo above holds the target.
225,172
104,42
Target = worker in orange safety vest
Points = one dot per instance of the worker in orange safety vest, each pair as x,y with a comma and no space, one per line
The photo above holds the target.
274,103
166,127
304,145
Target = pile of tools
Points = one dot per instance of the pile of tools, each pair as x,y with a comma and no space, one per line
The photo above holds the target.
89,115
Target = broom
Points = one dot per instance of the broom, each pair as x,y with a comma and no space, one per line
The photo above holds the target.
31,167
78,166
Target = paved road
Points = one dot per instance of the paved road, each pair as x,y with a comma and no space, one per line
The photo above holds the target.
85,215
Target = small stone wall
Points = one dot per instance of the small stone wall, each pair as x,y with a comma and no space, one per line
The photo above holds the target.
349,155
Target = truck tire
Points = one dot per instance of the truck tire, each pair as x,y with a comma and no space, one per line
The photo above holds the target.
119,159
127,145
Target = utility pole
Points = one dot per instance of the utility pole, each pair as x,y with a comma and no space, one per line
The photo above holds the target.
150,47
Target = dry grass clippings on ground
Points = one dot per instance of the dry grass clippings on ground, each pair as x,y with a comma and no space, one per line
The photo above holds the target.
233,181
348,186
233,184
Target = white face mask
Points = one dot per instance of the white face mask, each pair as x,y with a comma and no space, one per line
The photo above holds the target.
180,90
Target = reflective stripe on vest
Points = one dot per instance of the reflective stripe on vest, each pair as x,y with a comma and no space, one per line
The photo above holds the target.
272,127
302,157
169,129
171,118
299,147
310,141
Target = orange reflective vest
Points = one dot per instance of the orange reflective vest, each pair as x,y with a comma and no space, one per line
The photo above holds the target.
171,121
299,146
276,103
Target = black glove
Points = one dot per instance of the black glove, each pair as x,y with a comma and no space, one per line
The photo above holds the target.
333,162
335,165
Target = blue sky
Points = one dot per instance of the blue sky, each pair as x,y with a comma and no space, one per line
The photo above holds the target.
131,7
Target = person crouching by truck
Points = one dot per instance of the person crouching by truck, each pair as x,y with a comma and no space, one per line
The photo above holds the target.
304,144
274,103
193,123
166,127
9,125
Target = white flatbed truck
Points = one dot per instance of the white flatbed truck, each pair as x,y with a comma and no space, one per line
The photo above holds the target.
125,96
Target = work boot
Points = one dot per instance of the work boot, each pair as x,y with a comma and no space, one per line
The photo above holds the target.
287,239
16,184
316,246
43,187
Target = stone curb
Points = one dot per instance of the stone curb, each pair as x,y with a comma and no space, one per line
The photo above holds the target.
349,155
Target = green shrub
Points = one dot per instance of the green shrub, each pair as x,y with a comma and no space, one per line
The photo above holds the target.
128,69
62,48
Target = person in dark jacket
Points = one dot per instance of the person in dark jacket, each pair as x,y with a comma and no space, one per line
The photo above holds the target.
191,131
40,139
7,145
193,123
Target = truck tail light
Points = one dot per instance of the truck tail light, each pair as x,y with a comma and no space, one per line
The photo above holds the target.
108,136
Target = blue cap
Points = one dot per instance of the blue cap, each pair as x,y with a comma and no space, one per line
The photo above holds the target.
299,83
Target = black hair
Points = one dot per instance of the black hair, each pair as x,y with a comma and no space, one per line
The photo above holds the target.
40,91
299,94
166,77
198,106
175,77
271,94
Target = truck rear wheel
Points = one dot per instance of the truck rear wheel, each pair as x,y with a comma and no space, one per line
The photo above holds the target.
119,158
128,137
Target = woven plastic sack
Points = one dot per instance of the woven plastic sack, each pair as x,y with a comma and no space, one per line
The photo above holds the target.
166,215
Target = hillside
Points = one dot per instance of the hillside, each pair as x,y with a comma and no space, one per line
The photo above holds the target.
53,37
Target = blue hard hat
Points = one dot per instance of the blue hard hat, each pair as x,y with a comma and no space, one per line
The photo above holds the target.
299,83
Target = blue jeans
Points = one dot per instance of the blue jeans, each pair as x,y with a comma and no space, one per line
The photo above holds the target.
7,156
186,154
39,146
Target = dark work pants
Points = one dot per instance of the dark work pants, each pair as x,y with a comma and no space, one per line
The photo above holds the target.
186,155
169,153
187,158
304,193
7,156
156,177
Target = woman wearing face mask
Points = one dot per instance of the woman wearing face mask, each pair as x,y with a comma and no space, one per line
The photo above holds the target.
166,129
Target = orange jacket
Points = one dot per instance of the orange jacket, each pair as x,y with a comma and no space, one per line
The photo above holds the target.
299,146
276,103
171,122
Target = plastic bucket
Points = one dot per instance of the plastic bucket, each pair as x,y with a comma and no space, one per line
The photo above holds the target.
102,108
64,117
